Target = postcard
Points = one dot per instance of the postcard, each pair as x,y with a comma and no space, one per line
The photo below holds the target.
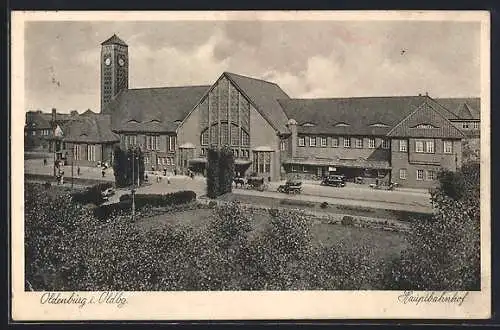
250,165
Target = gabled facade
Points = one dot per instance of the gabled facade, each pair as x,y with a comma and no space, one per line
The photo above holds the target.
242,113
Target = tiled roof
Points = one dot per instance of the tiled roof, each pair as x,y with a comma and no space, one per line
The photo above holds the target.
264,95
36,120
114,40
357,115
464,108
90,129
152,109
426,121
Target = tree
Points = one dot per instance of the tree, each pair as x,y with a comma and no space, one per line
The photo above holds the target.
444,251
220,171
226,172
127,165
213,173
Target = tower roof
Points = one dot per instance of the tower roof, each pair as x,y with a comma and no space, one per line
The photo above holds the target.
114,40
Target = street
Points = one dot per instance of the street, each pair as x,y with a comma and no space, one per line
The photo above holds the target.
353,194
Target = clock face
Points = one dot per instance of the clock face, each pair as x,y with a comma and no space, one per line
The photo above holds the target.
107,61
121,61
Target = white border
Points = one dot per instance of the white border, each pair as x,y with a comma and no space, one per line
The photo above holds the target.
242,305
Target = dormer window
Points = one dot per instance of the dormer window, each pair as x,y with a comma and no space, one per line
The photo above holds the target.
424,126
308,124
177,122
341,124
379,125
133,121
155,121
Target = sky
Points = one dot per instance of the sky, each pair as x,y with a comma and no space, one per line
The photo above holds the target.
308,59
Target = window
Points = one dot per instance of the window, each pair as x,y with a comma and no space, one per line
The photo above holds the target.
302,141
430,175
203,151
475,125
262,161
371,143
403,174
76,152
91,153
465,125
323,141
335,142
131,140
312,141
152,142
347,142
386,144
283,145
358,143
245,138
419,146
171,143
447,147
403,145
204,138
236,153
168,161
420,174
425,126
429,147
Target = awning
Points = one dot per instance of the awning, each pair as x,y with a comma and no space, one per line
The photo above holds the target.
354,163
204,160
187,145
263,148
197,160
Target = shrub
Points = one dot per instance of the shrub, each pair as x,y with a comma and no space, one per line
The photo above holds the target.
212,204
47,185
347,220
175,198
324,205
294,202
444,251
92,195
125,197
273,212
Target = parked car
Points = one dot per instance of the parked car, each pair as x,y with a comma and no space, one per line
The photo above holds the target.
291,187
334,181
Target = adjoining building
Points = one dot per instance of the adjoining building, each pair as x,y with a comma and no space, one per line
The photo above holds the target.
89,140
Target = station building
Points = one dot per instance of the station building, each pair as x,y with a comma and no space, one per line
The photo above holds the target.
404,139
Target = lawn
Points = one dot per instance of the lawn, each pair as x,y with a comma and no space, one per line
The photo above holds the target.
385,244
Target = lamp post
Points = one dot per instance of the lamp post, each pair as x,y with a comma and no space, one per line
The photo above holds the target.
72,167
133,185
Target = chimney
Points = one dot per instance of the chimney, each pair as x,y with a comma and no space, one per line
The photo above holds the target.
419,94
74,113
426,94
54,113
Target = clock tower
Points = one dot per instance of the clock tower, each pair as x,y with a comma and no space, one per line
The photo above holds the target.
114,69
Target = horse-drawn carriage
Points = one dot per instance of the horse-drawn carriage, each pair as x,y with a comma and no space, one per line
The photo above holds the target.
291,187
253,182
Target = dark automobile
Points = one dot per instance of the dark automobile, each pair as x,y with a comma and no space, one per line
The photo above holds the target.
291,187
334,181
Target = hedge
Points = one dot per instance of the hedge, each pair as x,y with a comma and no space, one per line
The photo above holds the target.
92,195
143,200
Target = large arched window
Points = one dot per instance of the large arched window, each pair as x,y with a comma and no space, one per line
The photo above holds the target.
238,136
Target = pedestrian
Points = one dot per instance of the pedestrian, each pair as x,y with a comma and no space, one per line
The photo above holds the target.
45,161
157,178
78,171
164,171
168,179
62,176
175,171
103,172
